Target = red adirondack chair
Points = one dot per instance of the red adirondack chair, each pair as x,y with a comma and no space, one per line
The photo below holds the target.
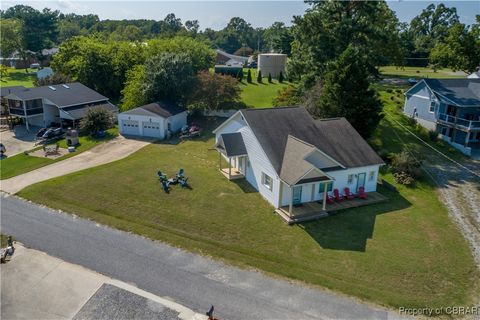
330,199
348,194
337,195
361,193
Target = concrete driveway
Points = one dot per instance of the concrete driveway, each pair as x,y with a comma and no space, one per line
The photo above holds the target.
109,151
18,140
38,286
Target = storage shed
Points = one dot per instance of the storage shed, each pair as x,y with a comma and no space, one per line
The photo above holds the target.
155,120
272,63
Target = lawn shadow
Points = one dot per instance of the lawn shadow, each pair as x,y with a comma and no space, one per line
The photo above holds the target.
244,186
350,229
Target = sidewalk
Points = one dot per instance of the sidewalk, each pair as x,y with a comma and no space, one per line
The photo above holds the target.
35,285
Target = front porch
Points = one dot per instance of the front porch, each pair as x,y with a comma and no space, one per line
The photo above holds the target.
232,173
314,210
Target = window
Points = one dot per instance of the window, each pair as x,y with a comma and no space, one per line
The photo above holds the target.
432,107
350,179
371,175
267,181
322,187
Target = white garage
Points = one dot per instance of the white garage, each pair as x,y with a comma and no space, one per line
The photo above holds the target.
154,120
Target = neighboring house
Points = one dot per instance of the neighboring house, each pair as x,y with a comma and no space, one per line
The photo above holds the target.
291,159
157,120
44,73
449,106
63,104
224,58
4,92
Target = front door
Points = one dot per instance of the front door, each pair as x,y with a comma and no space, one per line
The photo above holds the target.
361,180
297,195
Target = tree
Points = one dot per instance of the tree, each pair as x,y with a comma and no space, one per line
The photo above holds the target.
96,120
460,49
240,76
12,39
133,96
168,76
278,38
215,92
280,77
259,76
431,26
249,76
269,77
192,27
329,27
406,167
56,78
39,27
346,92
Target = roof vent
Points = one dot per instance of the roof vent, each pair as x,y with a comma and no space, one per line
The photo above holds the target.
52,88
65,86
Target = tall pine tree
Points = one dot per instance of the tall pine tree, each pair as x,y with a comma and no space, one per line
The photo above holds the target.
346,92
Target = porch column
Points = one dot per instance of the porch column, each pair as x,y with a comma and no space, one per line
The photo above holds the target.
219,160
26,116
229,168
325,196
290,205
467,136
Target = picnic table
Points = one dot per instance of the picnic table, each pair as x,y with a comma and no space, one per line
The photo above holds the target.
53,149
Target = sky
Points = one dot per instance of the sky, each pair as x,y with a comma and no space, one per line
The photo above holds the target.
216,14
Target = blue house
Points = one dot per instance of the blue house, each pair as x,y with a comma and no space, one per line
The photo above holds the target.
451,107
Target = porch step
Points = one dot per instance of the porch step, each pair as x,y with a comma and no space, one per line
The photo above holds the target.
301,218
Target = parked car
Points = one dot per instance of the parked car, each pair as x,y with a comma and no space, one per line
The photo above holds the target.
49,133
252,64
412,81
35,66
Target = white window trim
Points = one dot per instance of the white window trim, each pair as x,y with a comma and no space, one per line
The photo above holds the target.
350,178
269,186
371,175
432,104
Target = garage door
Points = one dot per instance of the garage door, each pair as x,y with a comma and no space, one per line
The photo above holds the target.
152,129
130,127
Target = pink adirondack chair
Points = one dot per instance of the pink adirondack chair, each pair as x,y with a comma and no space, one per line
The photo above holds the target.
330,199
348,194
361,193
337,195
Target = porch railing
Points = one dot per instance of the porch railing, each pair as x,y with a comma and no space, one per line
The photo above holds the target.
469,124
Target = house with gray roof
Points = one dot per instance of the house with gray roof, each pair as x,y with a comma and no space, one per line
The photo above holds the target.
156,120
63,104
451,107
293,159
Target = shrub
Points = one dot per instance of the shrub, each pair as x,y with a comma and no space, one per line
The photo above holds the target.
389,90
422,132
259,76
249,76
433,135
411,121
240,76
399,90
96,120
269,78
406,167
280,77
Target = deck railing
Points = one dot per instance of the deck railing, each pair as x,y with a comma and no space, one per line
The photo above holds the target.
469,124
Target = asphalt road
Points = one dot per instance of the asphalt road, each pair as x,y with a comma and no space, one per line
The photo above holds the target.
191,280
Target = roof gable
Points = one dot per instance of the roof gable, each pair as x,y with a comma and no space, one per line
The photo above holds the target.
334,137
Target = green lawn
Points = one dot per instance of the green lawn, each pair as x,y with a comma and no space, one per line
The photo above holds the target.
260,95
22,163
18,77
420,72
404,252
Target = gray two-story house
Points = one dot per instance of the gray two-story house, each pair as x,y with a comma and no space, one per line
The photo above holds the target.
56,105
451,107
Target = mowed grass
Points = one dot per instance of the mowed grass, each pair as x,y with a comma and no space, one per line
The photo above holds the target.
260,95
404,252
22,163
420,72
18,77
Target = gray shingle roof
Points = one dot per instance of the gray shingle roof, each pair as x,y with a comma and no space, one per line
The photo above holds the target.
79,112
232,144
68,94
164,109
335,137
294,166
5,91
464,92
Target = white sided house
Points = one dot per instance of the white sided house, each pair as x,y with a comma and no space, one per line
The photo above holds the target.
293,159
155,120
